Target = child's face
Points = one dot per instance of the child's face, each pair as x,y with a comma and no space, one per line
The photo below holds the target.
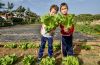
53,11
64,10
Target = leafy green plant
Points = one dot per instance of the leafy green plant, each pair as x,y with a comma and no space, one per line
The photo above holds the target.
31,45
97,28
67,21
70,60
8,59
46,46
10,46
48,61
52,22
49,21
56,47
27,45
28,60
86,47
23,46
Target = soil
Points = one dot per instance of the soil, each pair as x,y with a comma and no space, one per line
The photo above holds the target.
86,57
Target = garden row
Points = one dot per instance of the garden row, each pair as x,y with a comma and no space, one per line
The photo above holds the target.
29,45
30,60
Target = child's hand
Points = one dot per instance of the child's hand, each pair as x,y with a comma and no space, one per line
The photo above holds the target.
66,29
51,31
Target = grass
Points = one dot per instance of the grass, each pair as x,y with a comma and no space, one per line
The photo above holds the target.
87,29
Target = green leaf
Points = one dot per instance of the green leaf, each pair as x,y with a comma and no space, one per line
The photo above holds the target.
10,45
28,60
70,60
8,59
67,21
50,22
48,61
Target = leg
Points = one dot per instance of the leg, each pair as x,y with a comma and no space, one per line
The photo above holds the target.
42,46
69,45
50,47
64,46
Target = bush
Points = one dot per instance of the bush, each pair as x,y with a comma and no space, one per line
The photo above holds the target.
17,20
2,21
97,28
96,17
85,29
33,20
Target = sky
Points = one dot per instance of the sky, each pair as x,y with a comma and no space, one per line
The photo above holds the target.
75,6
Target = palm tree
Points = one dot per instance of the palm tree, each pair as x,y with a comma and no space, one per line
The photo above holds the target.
10,6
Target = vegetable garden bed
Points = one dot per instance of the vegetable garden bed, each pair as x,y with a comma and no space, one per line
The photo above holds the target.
87,54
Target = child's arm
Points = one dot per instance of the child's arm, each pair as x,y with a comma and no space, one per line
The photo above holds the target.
42,29
54,28
71,30
68,31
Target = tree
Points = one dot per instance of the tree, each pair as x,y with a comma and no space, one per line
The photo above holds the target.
20,9
96,17
85,18
10,6
1,5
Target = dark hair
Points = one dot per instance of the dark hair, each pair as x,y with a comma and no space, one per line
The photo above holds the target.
55,7
63,4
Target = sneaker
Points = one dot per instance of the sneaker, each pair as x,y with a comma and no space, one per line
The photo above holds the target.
38,61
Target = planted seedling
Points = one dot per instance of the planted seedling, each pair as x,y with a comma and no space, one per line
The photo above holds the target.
8,59
70,60
86,47
28,60
56,47
10,45
48,61
23,46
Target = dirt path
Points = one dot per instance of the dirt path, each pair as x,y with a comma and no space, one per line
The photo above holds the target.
32,32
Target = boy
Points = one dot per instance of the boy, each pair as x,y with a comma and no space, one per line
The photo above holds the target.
47,36
67,48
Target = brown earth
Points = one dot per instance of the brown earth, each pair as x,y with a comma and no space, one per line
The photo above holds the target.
86,57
